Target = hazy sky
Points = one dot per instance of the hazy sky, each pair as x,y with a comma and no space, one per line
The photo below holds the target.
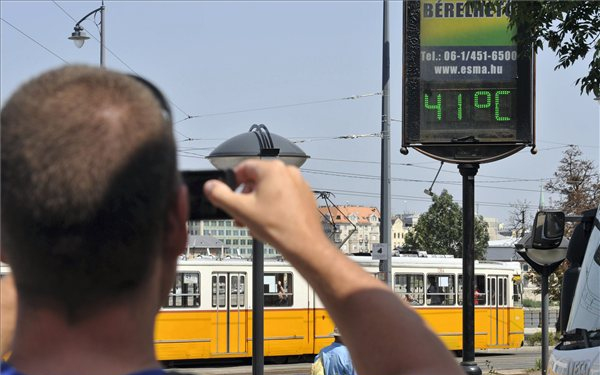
293,66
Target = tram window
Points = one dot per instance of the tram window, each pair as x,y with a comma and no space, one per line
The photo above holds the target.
517,294
492,291
441,289
502,292
219,290
238,291
279,289
186,291
410,287
478,290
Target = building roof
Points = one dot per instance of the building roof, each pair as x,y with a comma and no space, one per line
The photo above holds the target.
363,213
203,241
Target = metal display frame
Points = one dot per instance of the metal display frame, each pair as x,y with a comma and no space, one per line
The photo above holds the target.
461,149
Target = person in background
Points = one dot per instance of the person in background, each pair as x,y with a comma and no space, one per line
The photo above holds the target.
281,293
334,358
94,220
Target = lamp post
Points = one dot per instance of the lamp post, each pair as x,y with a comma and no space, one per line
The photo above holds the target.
385,265
79,36
257,143
544,251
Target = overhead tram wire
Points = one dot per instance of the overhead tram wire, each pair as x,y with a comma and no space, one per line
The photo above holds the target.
33,40
375,177
419,165
354,97
416,199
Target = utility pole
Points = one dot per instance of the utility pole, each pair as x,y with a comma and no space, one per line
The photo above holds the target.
385,266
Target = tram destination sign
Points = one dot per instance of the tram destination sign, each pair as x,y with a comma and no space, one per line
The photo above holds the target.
468,87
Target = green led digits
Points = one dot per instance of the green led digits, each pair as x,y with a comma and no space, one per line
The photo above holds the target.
437,106
468,106
488,100
497,105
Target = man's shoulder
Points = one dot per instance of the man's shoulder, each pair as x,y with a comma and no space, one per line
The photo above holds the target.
6,369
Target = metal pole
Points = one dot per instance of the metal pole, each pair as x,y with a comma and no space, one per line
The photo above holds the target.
102,35
468,171
258,307
545,275
385,266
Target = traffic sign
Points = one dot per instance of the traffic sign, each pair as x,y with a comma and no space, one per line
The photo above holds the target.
379,251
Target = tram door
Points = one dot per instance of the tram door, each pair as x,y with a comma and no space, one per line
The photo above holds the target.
497,295
229,302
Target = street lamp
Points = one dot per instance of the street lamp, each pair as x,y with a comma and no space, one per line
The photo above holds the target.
79,36
544,250
257,143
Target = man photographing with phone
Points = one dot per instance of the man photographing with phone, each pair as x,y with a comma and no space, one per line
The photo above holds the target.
94,218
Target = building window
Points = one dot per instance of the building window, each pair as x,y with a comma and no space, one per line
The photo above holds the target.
186,291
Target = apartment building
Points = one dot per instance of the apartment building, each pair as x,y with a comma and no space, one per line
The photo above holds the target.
354,229
236,241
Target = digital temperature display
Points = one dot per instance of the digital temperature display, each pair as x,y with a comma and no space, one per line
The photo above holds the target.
449,114
467,85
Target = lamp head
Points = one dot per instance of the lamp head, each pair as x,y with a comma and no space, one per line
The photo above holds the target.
257,143
79,36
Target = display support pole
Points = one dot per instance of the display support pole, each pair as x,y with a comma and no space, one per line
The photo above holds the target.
545,276
468,172
258,307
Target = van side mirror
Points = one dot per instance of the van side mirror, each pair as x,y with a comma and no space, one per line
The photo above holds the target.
548,229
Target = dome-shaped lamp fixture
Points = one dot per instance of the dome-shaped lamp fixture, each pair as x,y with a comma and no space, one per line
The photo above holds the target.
79,36
257,143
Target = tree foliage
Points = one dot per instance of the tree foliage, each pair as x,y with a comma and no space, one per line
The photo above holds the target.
576,181
571,29
439,230
554,282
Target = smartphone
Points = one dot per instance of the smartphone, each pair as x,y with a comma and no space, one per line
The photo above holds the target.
200,206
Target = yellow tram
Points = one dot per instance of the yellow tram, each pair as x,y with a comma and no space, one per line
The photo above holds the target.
209,310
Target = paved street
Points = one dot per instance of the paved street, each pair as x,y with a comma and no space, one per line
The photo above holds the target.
504,362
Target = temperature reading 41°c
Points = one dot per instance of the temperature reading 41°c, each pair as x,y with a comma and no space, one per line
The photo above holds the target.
469,106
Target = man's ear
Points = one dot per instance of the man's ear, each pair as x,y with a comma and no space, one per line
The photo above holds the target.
176,231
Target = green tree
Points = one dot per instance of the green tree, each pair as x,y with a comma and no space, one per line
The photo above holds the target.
570,28
439,230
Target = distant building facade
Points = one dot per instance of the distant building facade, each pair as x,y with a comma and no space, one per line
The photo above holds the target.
354,229
398,232
235,240
495,228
